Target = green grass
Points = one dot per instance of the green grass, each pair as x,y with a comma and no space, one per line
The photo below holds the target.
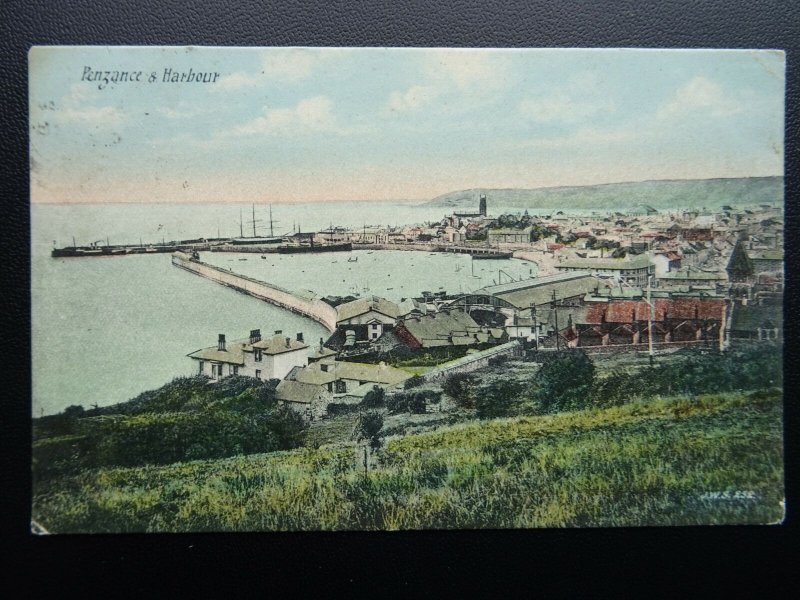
416,370
662,462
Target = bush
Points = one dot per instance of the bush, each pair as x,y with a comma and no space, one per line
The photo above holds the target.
412,382
416,404
397,403
461,388
497,399
335,409
565,381
368,428
374,398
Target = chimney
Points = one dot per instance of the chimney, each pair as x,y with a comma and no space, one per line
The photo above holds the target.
255,336
221,342
320,344
288,342
299,337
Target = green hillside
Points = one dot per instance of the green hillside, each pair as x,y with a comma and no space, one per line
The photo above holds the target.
662,195
710,459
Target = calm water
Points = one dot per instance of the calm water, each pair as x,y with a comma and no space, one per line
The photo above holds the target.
106,329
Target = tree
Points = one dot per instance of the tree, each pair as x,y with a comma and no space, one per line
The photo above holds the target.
287,425
368,428
565,381
460,387
373,398
412,382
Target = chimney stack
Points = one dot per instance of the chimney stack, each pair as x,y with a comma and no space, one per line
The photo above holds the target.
255,336
221,342
300,337
288,342
320,345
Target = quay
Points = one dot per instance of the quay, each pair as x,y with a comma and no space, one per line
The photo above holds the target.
306,305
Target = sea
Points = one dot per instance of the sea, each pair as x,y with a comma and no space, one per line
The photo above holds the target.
106,329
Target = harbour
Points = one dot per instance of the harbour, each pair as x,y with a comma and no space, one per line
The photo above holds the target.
175,311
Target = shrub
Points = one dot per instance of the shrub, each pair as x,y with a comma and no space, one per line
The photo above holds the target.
412,382
336,409
461,387
373,398
397,403
416,404
565,381
368,428
497,399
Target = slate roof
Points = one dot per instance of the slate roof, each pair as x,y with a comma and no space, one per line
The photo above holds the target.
640,261
753,316
765,254
234,350
233,354
277,344
539,291
690,273
296,391
439,327
348,310
384,374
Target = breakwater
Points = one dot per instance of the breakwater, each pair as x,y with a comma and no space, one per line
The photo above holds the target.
308,306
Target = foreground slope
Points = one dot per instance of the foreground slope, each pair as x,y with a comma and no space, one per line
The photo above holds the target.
677,461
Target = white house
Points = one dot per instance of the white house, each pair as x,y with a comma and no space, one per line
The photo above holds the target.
271,358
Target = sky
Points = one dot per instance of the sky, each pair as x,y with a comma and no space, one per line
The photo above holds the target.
307,125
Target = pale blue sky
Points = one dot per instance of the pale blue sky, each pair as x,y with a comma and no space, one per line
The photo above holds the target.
294,124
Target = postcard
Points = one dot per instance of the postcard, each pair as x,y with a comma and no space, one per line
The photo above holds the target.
294,288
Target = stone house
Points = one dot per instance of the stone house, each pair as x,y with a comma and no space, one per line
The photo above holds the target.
264,359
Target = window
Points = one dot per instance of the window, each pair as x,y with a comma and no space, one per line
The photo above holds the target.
234,369
257,353
330,386
341,386
202,365
258,373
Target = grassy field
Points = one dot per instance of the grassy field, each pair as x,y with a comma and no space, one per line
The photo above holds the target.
713,459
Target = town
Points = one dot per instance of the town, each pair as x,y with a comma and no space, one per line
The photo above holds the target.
645,282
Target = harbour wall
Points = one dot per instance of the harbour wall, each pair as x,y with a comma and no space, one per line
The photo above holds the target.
310,307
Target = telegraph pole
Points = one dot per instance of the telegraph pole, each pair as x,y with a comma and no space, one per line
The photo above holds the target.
555,312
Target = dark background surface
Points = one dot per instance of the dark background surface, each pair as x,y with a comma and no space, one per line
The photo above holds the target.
659,561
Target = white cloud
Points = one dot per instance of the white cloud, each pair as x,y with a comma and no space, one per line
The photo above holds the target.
412,99
561,107
591,138
309,115
283,64
699,93
292,63
236,81
98,115
469,70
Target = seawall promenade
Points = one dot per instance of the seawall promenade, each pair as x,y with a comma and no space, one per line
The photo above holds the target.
308,306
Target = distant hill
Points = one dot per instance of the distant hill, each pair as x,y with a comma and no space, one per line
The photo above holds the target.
661,195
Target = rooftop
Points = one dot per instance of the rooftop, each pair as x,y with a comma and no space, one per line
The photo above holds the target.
348,310
640,261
